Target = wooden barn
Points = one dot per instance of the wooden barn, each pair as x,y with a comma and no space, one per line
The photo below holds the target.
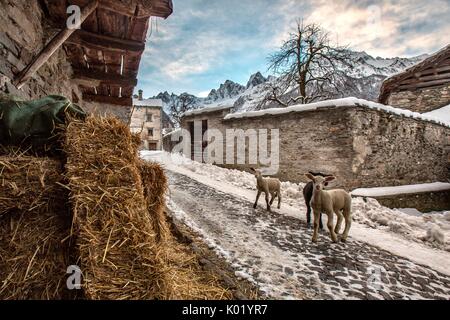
95,65
422,88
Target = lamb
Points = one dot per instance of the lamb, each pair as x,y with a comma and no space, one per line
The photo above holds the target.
329,202
270,186
307,195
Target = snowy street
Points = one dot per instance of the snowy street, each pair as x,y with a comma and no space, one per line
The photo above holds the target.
274,250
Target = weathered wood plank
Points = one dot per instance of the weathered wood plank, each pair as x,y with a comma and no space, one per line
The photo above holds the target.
431,77
103,42
96,78
52,47
124,101
425,84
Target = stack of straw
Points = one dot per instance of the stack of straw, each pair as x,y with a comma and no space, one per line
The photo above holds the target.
34,229
125,245
118,249
105,213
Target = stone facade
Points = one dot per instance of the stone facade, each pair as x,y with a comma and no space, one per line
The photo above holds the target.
148,122
215,121
362,147
424,202
423,100
23,33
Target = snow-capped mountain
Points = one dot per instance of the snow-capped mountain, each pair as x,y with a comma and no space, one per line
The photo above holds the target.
361,78
255,80
227,90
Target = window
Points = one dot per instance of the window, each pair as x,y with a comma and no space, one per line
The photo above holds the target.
150,132
149,117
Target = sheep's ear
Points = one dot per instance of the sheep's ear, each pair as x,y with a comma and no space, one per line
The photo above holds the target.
252,169
310,177
331,178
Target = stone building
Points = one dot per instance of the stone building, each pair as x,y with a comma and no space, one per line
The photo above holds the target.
95,66
422,88
363,143
147,119
207,118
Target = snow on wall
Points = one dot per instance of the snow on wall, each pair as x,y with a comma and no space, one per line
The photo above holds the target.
207,110
409,189
345,102
443,114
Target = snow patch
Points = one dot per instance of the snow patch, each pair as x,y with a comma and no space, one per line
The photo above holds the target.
443,114
408,189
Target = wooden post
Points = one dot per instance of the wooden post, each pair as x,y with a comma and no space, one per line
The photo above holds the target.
52,47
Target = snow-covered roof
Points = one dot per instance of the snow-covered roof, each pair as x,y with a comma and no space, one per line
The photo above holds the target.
338,103
148,103
409,189
393,82
206,110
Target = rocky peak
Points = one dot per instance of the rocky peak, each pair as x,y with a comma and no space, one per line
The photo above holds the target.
255,80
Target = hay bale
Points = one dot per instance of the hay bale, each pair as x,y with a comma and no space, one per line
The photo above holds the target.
188,280
117,244
29,183
155,187
34,229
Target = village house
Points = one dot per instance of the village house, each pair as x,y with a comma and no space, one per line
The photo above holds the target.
150,121
422,88
95,66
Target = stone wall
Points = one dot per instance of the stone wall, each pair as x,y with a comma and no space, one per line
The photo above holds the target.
215,121
362,147
424,202
317,141
23,33
424,100
389,150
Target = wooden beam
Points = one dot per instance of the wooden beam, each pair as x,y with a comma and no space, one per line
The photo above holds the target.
106,43
121,101
52,47
433,70
90,77
425,84
134,8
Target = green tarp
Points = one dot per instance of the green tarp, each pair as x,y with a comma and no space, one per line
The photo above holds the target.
34,123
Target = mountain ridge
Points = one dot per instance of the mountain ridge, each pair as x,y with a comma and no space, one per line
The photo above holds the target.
362,78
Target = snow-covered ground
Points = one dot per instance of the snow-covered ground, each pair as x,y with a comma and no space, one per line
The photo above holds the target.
274,250
422,238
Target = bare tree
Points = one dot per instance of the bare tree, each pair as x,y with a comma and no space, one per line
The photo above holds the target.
307,67
185,102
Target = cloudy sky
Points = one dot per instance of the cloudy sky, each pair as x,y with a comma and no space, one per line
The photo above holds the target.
205,42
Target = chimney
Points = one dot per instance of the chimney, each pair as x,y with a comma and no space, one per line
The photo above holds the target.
140,95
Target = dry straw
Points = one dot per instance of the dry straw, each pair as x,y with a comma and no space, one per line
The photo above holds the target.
104,212
126,249
34,229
